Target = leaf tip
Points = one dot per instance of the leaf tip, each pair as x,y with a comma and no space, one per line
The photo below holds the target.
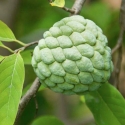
58,3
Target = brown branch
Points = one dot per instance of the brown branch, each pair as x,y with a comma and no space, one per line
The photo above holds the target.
119,59
118,47
68,10
27,45
77,7
119,42
64,8
26,98
122,25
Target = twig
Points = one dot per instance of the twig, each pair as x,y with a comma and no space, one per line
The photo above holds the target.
68,10
5,47
119,59
119,42
64,8
26,98
118,46
19,42
122,24
77,7
26,46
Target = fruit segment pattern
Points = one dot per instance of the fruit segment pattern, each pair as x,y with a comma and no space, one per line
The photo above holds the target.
73,57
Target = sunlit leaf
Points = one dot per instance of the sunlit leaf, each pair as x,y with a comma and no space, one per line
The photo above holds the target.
58,3
107,105
47,120
11,83
1,44
1,58
5,33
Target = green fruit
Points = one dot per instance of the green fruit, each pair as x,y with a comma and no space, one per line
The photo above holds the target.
73,57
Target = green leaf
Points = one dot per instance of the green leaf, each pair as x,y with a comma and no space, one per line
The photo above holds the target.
1,58
5,33
58,3
26,55
47,120
107,105
11,84
1,44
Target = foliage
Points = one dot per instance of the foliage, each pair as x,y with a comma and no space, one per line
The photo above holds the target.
5,33
11,84
58,3
107,105
47,120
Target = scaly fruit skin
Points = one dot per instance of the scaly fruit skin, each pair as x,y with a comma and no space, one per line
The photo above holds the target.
73,57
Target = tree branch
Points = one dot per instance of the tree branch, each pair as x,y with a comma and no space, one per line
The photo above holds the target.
119,42
122,25
118,46
27,45
26,98
77,7
68,10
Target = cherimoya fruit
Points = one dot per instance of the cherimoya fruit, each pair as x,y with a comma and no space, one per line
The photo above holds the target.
73,56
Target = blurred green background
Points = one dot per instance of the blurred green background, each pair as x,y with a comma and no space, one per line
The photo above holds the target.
30,20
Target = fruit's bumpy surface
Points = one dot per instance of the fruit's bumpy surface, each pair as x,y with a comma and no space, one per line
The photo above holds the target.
73,57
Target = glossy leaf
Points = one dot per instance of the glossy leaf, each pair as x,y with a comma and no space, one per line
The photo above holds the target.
27,56
58,3
5,33
11,83
1,58
107,105
47,120
1,44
